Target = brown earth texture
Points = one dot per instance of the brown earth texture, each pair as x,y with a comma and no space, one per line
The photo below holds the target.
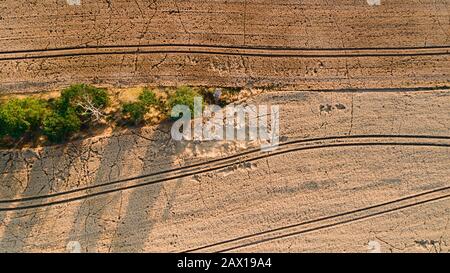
364,154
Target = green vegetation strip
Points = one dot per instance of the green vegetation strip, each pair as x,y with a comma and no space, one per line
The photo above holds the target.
81,106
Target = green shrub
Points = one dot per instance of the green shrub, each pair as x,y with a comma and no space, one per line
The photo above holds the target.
58,126
21,116
183,96
76,92
86,100
148,98
134,112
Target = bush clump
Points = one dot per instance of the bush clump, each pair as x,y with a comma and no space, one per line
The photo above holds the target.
183,96
21,116
87,101
148,98
57,126
134,112
57,119
78,105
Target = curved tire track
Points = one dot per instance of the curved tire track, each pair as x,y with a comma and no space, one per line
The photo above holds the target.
221,163
326,222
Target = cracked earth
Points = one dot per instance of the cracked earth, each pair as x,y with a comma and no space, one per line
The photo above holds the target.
365,113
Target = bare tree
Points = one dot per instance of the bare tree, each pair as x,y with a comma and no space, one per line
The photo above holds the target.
88,106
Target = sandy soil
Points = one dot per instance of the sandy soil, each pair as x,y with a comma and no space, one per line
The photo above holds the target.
49,44
373,156
365,116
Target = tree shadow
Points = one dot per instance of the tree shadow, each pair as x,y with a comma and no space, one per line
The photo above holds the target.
119,221
34,180
135,227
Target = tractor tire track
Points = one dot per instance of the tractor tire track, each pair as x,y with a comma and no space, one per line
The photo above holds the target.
326,222
246,51
222,163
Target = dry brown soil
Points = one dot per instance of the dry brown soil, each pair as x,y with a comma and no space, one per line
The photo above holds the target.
365,133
